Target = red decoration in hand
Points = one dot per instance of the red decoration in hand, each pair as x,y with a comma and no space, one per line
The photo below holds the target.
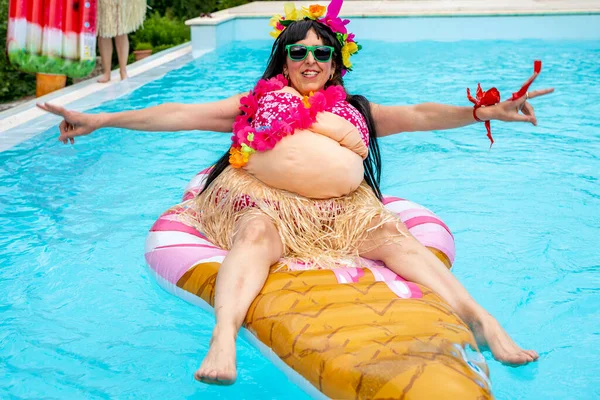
537,68
492,97
484,99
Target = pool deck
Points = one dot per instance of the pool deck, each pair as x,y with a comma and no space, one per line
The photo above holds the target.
412,8
26,120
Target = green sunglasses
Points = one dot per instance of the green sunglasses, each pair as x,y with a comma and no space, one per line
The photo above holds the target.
298,52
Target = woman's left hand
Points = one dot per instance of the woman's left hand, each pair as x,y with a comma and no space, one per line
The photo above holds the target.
510,110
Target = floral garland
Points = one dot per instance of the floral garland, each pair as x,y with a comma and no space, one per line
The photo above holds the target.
247,140
331,19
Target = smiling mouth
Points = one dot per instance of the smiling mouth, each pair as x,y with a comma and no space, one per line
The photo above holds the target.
310,74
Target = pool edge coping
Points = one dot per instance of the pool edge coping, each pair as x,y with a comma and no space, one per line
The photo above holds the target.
229,17
399,9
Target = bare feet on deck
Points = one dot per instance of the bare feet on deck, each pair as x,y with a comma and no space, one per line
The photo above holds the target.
218,367
124,75
104,78
489,333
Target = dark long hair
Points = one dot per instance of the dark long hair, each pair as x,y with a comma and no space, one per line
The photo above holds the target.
294,33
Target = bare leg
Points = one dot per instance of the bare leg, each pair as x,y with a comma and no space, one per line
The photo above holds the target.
122,44
106,48
241,276
410,259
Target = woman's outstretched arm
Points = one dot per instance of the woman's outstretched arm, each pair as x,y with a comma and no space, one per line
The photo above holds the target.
216,116
390,120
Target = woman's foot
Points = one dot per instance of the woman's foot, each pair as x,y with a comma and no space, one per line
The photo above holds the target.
104,78
489,333
123,75
218,367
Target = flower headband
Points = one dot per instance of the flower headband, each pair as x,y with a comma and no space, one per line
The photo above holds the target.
331,19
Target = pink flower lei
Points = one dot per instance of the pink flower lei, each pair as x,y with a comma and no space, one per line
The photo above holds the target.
247,140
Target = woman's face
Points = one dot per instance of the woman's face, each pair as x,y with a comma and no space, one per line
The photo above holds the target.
308,75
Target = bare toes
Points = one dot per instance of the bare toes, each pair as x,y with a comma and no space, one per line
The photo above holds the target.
199,376
534,354
519,358
226,381
204,377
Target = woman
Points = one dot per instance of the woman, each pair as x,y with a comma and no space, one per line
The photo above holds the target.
260,231
116,19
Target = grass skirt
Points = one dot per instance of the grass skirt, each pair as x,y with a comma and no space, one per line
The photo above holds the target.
120,17
315,234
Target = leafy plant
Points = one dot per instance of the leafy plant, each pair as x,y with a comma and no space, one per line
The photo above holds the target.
223,4
143,46
161,30
187,9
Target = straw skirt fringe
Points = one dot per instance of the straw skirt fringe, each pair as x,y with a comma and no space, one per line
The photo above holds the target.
120,17
315,234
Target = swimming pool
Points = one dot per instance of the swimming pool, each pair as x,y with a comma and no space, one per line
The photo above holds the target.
81,317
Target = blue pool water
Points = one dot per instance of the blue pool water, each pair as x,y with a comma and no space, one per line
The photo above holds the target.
80,318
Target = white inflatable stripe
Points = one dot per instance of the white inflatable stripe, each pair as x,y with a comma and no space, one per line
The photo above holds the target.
400,288
17,31
218,259
196,182
169,238
403,205
377,275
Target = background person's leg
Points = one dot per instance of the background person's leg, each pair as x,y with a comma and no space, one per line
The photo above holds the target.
106,48
122,44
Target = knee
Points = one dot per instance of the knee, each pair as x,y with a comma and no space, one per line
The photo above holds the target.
394,229
396,239
257,232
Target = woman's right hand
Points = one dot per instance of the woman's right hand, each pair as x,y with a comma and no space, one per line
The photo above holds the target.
74,123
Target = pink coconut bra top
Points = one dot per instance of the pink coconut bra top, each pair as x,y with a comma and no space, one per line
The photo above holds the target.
275,105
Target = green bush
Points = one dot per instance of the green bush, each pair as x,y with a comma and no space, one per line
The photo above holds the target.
143,46
161,30
183,9
13,84
223,4
187,9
